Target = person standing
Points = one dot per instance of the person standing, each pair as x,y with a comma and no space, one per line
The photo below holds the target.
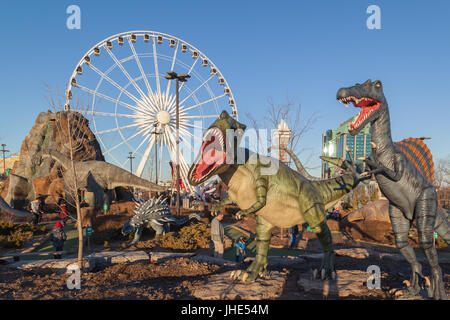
294,232
63,212
240,249
217,235
57,237
36,210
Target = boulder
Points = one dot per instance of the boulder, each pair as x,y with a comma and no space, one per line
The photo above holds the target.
221,287
371,222
377,210
349,283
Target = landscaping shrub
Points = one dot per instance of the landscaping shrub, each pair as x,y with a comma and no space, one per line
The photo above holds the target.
14,235
190,237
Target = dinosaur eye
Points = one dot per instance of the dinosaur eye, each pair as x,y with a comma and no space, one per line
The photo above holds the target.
378,84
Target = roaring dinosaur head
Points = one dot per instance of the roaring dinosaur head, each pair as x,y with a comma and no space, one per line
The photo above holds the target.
212,157
369,97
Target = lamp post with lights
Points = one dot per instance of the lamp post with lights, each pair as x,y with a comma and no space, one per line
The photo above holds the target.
171,75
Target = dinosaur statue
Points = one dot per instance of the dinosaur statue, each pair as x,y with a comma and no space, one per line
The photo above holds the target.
279,196
98,177
403,173
156,214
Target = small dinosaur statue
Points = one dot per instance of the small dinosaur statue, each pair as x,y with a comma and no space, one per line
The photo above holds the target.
155,214
98,176
281,197
403,173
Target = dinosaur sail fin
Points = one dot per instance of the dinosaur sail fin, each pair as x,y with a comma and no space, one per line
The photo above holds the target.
418,153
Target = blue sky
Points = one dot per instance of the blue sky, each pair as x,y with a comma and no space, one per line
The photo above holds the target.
304,49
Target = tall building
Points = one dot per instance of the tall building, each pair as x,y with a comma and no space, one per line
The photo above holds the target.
334,142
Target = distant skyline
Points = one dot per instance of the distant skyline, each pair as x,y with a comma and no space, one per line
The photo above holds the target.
305,50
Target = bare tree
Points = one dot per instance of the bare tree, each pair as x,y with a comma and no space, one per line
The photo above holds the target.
68,125
291,113
442,173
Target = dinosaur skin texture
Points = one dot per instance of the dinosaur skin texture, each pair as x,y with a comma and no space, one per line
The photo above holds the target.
155,214
280,197
411,196
99,177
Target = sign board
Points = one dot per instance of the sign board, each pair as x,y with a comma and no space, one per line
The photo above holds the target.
89,231
105,207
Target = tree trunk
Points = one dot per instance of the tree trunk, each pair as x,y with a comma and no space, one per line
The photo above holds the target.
77,200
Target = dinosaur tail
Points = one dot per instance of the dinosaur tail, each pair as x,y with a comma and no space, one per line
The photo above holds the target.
335,188
177,221
183,220
443,224
62,159
300,168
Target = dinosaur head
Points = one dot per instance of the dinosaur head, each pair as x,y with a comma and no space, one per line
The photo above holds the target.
212,156
369,97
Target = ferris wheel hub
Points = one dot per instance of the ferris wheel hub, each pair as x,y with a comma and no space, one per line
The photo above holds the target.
163,117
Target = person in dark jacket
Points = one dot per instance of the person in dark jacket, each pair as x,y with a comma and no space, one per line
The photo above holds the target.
218,235
294,233
57,237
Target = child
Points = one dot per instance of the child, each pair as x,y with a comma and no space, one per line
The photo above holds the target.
240,249
57,237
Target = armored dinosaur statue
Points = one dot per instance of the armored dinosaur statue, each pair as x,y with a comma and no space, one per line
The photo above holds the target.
403,173
278,195
155,214
96,177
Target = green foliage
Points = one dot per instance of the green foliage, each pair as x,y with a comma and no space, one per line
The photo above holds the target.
14,235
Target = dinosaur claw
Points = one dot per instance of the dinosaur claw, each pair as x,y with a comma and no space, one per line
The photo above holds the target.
232,274
374,146
407,283
244,277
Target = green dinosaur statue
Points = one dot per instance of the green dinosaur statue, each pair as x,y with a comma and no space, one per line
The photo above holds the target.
278,195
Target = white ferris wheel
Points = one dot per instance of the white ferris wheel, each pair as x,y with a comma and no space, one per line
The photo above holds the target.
119,86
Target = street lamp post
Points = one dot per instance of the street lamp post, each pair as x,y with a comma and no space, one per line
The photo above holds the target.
157,133
4,162
171,75
131,161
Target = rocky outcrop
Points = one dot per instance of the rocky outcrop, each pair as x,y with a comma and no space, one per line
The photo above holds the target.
33,175
371,222
220,287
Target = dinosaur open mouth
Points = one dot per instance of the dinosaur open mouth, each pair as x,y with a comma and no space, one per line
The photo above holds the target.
211,156
367,105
